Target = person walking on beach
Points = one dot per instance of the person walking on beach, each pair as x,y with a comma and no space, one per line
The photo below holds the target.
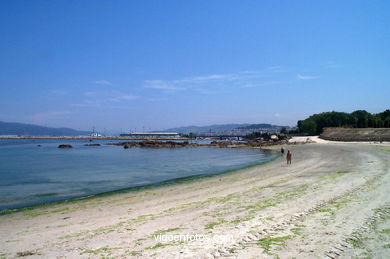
289,155
282,150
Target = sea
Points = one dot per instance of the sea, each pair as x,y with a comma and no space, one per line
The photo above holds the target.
34,172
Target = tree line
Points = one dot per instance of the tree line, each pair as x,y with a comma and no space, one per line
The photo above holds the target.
358,119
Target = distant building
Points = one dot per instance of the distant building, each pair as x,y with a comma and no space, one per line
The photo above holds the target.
95,135
151,134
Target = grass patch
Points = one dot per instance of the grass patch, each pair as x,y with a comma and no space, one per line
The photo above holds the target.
267,242
135,253
163,231
385,148
158,245
138,241
110,228
212,225
334,175
46,212
333,208
356,243
231,198
386,245
141,218
338,205
240,220
162,245
262,205
297,230
231,250
221,200
95,251
277,198
385,231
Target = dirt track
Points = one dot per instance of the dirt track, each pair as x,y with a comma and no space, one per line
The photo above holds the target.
333,201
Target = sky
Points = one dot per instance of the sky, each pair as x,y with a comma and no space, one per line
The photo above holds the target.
149,65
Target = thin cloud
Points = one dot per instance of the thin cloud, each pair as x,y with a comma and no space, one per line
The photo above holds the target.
161,84
249,72
103,82
332,64
57,92
207,91
157,99
306,77
90,94
265,83
206,78
129,97
102,99
125,97
86,104
276,69
207,81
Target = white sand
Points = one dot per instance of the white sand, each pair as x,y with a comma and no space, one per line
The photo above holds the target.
333,201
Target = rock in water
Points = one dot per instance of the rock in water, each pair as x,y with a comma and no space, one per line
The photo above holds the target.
65,146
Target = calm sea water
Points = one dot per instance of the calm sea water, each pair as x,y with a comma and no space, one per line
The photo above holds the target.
31,175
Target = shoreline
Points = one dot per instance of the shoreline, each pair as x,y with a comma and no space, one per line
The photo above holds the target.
333,195
94,138
170,182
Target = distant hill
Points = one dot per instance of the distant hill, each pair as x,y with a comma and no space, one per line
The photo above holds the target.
201,129
221,128
22,129
261,126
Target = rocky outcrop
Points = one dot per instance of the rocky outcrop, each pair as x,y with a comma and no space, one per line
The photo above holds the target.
92,145
65,146
220,144
154,144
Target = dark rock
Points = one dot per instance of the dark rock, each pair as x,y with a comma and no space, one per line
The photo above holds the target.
92,145
26,253
65,146
153,144
249,143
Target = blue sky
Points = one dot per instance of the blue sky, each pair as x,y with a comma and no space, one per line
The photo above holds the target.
123,65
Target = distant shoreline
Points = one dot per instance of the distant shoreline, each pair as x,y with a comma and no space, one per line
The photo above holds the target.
95,138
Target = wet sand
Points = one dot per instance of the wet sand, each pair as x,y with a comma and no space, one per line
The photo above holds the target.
333,201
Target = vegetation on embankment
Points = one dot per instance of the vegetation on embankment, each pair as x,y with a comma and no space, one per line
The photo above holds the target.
315,124
354,134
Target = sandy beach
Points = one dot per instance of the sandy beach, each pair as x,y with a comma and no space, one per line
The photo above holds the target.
333,201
